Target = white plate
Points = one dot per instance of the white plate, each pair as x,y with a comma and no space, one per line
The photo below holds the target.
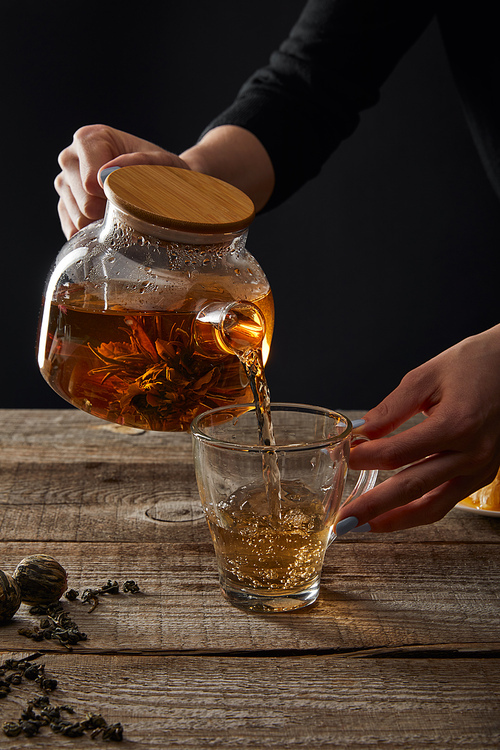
480,511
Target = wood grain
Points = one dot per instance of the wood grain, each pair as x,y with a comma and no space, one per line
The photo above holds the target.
85,479
179,199
402,649
297,702
372,596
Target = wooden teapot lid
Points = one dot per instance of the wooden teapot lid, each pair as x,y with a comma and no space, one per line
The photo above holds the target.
179,199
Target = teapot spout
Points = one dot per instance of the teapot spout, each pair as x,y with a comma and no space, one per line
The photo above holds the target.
229,328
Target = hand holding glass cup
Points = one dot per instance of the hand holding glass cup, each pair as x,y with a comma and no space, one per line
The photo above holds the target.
271,508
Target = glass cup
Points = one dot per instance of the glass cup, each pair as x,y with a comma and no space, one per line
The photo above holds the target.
271,508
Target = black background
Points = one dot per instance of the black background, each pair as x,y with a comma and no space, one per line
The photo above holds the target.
385,259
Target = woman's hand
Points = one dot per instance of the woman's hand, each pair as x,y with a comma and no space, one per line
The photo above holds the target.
452,453
95,147
228,152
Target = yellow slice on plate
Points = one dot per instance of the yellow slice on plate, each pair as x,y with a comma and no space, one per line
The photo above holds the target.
487,498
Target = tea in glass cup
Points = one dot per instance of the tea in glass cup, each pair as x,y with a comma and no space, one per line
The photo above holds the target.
271,508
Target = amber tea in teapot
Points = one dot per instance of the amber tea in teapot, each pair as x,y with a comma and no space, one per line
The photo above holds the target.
145,313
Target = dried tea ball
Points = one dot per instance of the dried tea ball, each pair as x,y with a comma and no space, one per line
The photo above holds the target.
10,596
42,579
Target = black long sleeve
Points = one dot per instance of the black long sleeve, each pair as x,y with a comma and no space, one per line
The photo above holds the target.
333,64
331,67
471,39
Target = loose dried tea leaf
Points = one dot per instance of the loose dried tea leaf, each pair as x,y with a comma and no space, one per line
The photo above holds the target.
39,712
91,596
131,587
56,624
11,728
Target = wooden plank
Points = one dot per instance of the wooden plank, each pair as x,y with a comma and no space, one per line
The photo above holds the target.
297,702
80,478
163,662
101,500
372,596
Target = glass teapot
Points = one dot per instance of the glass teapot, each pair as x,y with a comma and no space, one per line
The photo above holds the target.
146,312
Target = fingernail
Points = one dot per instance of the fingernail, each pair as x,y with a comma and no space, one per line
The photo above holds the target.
104,173
364,527
357,423
345,525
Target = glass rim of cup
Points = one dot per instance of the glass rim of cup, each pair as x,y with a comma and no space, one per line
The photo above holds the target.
197,431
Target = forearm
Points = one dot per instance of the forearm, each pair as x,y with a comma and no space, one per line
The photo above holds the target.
234,155
308,98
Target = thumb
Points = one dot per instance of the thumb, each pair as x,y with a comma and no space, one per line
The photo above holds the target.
141,157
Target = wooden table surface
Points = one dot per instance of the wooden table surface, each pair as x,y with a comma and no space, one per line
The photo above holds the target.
402,650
